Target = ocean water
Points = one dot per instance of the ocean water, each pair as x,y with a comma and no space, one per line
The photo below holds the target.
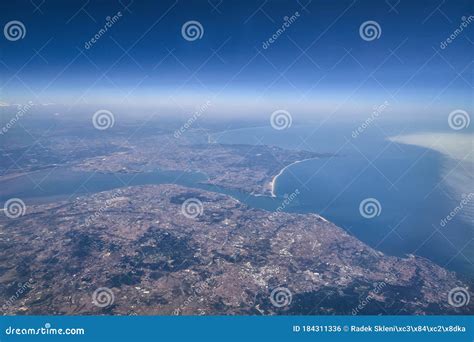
62,183
415,187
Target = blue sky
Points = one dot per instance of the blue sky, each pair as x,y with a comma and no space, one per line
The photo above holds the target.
318,64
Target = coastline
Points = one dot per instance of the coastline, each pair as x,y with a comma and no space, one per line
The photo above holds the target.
333,246
273,182
274,178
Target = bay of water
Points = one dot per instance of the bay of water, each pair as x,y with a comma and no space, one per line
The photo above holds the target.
412,184
409,182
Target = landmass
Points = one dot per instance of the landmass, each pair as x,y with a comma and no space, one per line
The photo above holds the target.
247,168
155,256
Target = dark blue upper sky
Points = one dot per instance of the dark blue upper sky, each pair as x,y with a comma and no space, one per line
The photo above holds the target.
320,62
